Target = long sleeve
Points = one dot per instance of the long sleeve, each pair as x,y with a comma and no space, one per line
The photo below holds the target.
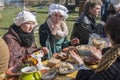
43,34
81,32
112,73
16,51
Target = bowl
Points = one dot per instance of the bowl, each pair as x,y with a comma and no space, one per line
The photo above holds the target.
83,50
99,43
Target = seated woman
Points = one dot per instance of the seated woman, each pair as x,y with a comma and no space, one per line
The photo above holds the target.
4,58
54,31
108,68
20,40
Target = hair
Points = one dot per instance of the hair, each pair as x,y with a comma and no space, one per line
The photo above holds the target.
113,28
91,4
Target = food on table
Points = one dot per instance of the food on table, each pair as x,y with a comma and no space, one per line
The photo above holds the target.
44,70
83,47
69,66
67,49
29,60
53,62
62,56
99,43
65,66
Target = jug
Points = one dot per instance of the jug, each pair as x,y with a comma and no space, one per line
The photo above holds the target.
29,73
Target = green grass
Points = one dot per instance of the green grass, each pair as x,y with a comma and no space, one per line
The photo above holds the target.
7,15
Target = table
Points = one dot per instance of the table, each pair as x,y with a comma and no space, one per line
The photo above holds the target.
70,76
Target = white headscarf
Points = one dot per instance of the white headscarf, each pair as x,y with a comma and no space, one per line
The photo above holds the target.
24,16
55,8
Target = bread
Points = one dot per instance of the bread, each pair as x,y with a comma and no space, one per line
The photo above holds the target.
65,67
53,62
62,56
98,43
69,66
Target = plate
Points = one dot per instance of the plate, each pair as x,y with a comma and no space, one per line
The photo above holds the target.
75,67
50,75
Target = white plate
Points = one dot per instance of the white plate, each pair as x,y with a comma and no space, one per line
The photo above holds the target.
50,75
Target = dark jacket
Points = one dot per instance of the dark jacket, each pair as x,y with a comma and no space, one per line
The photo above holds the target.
112,73
49,40
85,26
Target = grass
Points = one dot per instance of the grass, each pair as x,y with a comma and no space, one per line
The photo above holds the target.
8,13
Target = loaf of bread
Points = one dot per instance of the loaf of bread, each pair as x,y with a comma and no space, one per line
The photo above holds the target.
53,62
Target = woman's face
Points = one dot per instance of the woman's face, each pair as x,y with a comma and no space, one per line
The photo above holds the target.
57,18
28,26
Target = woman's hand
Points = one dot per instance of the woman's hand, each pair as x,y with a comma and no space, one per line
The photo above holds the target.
75,41
45,50
54,28
76,57
96,53
12,72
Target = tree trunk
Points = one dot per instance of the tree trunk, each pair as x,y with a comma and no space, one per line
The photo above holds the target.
56,1
38,2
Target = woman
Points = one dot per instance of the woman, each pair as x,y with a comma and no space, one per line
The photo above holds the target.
4,58
54,31
20,41
108,68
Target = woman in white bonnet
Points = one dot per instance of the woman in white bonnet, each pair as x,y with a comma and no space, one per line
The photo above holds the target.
20,40
53,33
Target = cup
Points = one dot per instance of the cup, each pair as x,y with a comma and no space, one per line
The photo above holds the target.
30,73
